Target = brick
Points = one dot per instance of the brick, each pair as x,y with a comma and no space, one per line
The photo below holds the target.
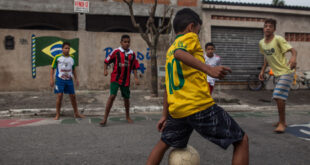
308,37
187,2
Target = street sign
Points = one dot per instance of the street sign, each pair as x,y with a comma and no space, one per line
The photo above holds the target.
81,6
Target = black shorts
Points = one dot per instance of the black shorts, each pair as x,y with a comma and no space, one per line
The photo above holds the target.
214,124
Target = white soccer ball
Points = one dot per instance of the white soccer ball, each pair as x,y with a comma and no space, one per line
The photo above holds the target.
184,156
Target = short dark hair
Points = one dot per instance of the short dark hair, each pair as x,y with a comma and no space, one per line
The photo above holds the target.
271,21
66,43
125,36
209,44
183,18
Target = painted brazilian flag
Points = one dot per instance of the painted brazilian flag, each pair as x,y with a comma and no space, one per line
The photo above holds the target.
44,49
48,47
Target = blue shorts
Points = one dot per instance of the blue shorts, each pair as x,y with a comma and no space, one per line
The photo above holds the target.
283,86
64,86
214,124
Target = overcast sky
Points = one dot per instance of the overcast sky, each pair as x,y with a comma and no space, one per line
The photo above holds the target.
287,2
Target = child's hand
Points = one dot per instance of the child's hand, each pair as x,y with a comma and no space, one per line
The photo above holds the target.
219,71
52,83
105,72
161,124
261,76
292,63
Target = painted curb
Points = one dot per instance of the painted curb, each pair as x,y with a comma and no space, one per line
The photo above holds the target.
99,111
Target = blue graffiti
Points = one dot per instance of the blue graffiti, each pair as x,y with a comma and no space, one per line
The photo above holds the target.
107,50
148,54
140,56
142,68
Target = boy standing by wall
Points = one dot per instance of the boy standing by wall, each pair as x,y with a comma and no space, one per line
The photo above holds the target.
124,60
213,60
65,70
274,47
188,104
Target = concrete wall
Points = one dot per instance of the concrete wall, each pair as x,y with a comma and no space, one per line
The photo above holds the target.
106,7
15,65
288,20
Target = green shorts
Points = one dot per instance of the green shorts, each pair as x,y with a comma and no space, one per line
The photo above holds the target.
124,90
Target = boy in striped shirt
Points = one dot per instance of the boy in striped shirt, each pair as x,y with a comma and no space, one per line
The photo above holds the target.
125,61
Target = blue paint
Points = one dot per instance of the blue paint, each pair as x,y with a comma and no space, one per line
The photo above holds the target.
142,68
107,50
56,49
296,130
148,54
140,56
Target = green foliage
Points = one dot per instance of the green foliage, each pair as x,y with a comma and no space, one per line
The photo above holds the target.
278,2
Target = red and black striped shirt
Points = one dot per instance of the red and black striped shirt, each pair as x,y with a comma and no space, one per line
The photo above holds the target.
124,62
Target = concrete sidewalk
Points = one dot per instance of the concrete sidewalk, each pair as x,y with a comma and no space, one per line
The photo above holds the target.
17,104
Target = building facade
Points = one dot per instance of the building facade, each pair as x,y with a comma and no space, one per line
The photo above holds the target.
235,28
98,31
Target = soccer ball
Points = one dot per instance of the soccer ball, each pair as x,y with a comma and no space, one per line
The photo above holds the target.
184,156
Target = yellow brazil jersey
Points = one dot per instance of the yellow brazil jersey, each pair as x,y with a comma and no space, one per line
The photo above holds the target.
274,53
186,87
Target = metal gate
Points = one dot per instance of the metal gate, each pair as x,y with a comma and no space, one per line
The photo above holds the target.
239,50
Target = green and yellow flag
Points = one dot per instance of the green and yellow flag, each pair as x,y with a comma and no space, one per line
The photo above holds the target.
44,49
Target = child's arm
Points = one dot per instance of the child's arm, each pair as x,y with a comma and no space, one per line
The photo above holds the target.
136,76
292,61
188,59
261,74
52,77
162,122
75,77
105,69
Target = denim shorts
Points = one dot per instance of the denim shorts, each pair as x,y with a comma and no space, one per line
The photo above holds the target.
64,86
214,124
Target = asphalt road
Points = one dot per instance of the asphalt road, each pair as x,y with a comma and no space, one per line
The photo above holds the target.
82,142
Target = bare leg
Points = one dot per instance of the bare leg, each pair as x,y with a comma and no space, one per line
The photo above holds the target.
281,109
127,105
107,109
58,105
74,105
157,153
241,152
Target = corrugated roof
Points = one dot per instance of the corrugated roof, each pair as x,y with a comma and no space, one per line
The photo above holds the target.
255,5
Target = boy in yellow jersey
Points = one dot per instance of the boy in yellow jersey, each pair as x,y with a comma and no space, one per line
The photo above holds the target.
274,47
188,104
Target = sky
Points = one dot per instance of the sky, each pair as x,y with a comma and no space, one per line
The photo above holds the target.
287,2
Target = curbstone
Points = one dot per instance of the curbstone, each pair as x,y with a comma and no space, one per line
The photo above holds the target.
99,111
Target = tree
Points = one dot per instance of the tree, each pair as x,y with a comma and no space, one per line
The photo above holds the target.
278,2
151,36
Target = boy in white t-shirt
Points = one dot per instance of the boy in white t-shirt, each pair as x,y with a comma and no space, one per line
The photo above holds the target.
213,60
62,80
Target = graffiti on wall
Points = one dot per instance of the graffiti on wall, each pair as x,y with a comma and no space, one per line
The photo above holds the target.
140,56
45,48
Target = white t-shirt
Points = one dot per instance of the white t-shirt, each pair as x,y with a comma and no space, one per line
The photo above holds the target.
64,66
213,61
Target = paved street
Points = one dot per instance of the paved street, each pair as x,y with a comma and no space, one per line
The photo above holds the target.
69,141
